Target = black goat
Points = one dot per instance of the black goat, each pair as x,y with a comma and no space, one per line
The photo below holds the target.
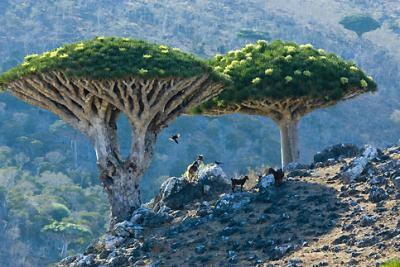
278,175
240,182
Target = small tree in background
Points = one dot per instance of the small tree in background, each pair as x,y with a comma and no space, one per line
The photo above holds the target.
284,81
253,35
89,84
57,211
360,23
65,233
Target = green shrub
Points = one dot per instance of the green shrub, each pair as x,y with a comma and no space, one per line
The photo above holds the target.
392,263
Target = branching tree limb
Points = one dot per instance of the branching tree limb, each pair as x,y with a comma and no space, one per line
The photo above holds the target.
89,84
285,81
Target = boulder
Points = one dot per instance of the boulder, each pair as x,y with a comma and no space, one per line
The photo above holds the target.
367,220
377,194
176,192
359,165
371,152
337,151
266,182
210,172
293,166
120,232
110,242
85,260
123,229
228,203
147,217
67,261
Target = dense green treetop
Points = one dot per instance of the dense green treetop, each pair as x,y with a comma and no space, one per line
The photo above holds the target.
360,23
281,70
253,35
66,228
110,58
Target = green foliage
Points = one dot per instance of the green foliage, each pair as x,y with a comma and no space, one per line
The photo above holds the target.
360,23
110,58
58,211
253,35
392,263
49,202
70,229
280,70
4,153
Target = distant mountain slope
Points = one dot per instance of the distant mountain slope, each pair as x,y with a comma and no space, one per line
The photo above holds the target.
208,27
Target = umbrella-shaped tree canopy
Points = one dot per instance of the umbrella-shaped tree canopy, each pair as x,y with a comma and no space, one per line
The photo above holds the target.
360,23
110,58
88,84
284,81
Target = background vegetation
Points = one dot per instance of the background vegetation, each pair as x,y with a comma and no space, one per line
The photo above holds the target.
45,164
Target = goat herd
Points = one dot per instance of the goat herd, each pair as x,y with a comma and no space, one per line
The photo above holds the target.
193,169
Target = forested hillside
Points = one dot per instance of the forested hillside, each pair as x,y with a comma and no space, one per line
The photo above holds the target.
39,153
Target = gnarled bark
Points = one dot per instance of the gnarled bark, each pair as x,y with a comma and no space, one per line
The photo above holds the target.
92,107
121,177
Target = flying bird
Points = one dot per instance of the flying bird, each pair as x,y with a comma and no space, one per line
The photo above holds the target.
174,138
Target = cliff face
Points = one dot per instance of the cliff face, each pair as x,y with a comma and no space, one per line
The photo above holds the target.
317,217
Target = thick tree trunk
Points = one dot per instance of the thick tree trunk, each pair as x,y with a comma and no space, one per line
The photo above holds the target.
121,184
121,178
289,141
92,107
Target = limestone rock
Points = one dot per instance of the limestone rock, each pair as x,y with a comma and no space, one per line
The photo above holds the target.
177,192
359,165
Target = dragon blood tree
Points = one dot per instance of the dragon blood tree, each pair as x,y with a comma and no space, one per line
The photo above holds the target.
360,23
89,84
284,81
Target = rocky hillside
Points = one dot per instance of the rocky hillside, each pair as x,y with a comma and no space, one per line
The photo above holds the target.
340,211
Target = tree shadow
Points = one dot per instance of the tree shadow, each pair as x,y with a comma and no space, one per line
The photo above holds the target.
271,227
297,214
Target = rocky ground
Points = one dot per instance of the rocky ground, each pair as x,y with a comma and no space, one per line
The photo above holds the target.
341,211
